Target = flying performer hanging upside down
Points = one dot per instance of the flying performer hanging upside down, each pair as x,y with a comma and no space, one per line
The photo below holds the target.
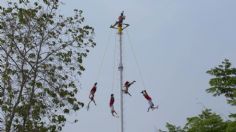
126,87
111,104
151,105
91,95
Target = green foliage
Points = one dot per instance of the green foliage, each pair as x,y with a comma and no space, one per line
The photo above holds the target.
173,128
223,82
205,122
41,54
231,126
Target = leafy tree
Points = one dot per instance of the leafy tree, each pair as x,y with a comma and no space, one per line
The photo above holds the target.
231,126
205,122
172,128
224,81
41,55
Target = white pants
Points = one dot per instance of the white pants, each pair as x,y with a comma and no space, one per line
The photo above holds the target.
112,108
150,103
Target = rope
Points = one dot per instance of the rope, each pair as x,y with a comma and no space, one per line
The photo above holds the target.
103,57
114,64
135,58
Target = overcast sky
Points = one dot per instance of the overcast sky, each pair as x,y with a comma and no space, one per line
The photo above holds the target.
174,43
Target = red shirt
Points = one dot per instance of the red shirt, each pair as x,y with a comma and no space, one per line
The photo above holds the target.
147,97
126,83
112,100
93,90
120,21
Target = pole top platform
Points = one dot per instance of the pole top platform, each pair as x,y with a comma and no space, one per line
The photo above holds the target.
119,24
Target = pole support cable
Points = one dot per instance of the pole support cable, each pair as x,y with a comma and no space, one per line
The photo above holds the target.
103,58
113,67
136,61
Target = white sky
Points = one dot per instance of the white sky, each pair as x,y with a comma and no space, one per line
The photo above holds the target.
175,43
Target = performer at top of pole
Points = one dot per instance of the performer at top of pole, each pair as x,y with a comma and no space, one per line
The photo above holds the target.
120,23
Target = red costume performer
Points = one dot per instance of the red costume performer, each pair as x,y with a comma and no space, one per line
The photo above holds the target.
127,85
120,19
91,95
120,23
111,104
151,105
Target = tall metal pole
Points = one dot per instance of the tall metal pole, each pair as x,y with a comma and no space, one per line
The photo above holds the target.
120,67
121,83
